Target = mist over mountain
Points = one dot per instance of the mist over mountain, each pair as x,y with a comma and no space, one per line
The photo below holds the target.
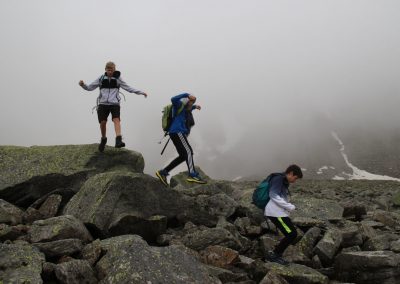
371,142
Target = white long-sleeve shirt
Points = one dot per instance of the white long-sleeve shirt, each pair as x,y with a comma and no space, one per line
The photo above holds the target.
278,205
110,96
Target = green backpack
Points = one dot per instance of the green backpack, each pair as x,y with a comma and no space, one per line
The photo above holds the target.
168,116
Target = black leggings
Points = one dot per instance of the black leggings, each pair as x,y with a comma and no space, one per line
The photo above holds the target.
285,225
184,150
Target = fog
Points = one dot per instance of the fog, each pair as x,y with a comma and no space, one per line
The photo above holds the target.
274,78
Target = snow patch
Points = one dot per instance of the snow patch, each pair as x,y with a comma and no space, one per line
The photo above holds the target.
358,173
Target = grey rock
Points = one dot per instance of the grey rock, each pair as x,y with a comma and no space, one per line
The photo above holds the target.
164,239
273,278
245,242
299,274
395,246
12,232
245,227
379,242
75,272
368,267
50,207
59,228
10,214
31,215
106,197
92,252
302,251
148,228
60,247
20,264
130,260
328,246
354,209
351,237
385,218
180,179
321,209
308,241
219,256
267,243
200,240
396,199
307,222
227,276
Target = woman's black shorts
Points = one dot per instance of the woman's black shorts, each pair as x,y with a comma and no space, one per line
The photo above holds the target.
103,112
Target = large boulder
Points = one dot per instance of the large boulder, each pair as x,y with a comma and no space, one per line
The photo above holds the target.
302,252
328,246
129,259
368,267
108,200
20,264
28,173
58,228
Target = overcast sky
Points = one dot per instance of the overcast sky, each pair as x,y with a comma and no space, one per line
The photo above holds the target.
258,68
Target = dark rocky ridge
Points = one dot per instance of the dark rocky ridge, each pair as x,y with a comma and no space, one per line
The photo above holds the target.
71,215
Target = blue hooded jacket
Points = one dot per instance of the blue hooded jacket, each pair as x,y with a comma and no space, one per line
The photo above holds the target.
179,122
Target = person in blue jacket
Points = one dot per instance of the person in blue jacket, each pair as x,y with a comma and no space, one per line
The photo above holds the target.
278,210
179,130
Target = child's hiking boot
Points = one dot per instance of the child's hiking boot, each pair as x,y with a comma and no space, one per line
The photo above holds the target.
162,176
118,142
274,257
196,179
102,144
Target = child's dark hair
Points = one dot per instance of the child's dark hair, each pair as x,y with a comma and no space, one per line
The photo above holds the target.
296,170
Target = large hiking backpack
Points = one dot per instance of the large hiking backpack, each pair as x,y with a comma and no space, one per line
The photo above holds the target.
261,193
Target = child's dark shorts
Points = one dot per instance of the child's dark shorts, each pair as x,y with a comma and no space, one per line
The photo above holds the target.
103,112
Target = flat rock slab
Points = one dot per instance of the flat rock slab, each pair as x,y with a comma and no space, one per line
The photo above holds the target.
321,209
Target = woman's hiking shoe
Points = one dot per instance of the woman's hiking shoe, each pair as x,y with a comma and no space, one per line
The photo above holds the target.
274,257
118,142
196,179
162,176
102,144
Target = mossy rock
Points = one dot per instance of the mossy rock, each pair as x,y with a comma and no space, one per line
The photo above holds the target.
31,172
20,264
180,179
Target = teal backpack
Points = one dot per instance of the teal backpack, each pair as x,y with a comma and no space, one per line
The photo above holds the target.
261,193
